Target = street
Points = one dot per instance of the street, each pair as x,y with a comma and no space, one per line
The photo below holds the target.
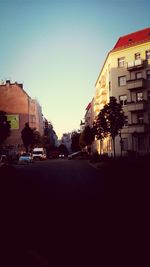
52,208
66,212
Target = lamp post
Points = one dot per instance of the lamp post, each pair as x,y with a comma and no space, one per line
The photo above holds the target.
121,142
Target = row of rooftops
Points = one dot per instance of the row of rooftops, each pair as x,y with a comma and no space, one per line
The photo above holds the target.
8,82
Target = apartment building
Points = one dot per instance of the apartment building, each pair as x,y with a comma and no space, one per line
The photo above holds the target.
126,75
89,114
20,108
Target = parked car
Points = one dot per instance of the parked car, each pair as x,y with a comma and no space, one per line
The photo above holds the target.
78,155
25,158
39,153
3,158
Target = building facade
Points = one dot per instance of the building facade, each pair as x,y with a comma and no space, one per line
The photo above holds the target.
20,108
126,76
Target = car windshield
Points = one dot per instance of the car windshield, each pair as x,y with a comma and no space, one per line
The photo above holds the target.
25,155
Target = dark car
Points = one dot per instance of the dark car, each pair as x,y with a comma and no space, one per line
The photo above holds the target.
62,155
79,155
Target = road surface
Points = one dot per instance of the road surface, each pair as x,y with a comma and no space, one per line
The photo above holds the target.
52,210
67,213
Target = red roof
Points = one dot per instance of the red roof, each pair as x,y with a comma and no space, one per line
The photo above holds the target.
89,106
133,38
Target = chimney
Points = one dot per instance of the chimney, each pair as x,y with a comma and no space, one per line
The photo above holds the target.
7,82
20,85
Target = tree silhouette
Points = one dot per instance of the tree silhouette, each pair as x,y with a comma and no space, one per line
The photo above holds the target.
110,120
86,137
27,136
4,127
75,141
63,149
98,129
37,139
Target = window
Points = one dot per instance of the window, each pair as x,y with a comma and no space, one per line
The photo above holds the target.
109,86
137,56
141,142
109,145
148,74
140,118
122,80
138,75
123,100
148,95
147,54
121,62
139,96
125,120
125,144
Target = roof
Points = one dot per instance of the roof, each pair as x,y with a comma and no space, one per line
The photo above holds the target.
88,106
133,38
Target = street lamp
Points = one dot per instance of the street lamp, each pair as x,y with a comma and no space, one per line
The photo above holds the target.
121,142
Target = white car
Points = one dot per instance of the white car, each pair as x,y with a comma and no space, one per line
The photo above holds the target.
38,153
25,158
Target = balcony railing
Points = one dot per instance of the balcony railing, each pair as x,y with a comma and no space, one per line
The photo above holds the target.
135,84
137,106
137,127
136,64
103,92
97,94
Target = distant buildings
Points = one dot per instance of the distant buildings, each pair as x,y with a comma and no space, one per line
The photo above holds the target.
126,75
66,140
20,108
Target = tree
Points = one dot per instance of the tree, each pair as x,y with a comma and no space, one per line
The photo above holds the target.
110,120
86,137
50,138
4,127
37,140
27,136
63,149
98,128
75,141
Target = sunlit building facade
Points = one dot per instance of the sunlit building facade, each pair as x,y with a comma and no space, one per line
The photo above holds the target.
20,108
126,75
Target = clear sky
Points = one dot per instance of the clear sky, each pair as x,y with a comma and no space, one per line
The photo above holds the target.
56,48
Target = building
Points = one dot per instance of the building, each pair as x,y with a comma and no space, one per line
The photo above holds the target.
20,108
126,75
66,140
89,115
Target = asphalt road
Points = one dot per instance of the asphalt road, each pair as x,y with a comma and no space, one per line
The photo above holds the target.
52,212
67,213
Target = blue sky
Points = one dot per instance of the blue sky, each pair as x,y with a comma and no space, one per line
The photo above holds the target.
56,48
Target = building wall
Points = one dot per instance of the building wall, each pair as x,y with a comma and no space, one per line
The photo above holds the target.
15,101
107,85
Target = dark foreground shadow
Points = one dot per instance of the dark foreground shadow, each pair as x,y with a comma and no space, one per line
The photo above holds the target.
38,228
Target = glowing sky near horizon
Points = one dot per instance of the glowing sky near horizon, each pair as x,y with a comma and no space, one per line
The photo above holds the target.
57,48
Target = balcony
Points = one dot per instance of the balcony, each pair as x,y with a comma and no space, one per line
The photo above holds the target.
97,94
103,92
139,128
135,84
103,99
137,106
136,64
